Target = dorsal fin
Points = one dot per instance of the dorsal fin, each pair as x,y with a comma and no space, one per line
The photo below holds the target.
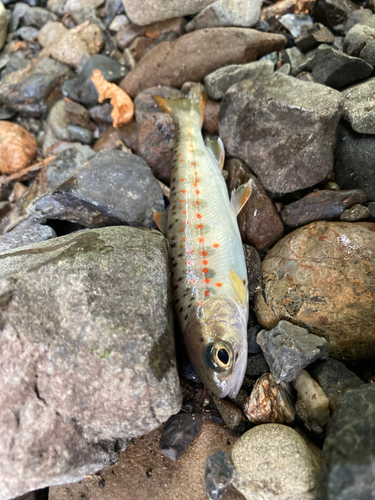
161,220
194,102
216,147
239,287
241,195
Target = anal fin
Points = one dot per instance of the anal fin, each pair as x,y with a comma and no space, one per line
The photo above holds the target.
241,195
239,287
216,147
161,220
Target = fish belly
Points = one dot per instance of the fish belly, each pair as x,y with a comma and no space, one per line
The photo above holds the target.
205,243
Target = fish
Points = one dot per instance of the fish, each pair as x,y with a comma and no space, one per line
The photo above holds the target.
207,263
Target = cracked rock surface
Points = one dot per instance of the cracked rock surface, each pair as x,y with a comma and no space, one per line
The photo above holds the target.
87,353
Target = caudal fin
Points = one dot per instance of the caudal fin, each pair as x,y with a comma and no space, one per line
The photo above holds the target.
195,102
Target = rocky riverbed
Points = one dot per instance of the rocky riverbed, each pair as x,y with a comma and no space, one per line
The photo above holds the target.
99,400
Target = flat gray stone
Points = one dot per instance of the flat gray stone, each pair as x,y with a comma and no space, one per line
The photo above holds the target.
220,13
284,128
359,106
288,349
336,69
219,81
26,233
112,188
87,353
61,168
348,469
178,434
356,212
150,11
218,475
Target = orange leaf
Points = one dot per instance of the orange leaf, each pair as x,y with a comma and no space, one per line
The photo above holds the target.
123,107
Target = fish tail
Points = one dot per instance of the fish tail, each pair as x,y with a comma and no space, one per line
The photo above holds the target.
194,103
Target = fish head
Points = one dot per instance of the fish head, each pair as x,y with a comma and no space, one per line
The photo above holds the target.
215,338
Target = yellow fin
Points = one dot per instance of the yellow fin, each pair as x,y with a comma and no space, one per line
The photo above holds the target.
195,101
239,286
241,195
161,220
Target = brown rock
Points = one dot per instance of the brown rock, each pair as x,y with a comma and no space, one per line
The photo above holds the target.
231,414
259,223
83,41
155,131
128,134
176,24
138,46
17,147
211,116
143,473
313,36
333,12
269,402
321,205
50,32
321,277
253,265
195,55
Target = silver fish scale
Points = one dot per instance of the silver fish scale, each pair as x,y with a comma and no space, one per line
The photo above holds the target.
205,243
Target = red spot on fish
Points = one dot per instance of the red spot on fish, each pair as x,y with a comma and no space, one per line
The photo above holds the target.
187,222
184,212
182,229
183,239
205,270
180,207
216,245
193,281
195,202
187,262
176,199
195,184
207,292
207,280
183,201
190,251
183,190
182,179
182,246
218,284
197,191
200,226
194,165
182,160
200,240
205,262
179,154
200,302
199,216
204,253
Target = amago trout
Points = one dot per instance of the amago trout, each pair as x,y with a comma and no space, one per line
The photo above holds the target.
208,269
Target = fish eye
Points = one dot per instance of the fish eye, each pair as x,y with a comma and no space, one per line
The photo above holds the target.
219,356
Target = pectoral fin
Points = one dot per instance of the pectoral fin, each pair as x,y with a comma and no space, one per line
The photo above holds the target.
239,287
241,195
216,148
161,220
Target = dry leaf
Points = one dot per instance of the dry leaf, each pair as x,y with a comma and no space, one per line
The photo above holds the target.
123,107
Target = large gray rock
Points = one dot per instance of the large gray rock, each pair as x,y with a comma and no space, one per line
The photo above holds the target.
359,40
289,348
282,127
218,82
150,11
112,188
273,462
26,233
87,353
244,13
61,168
348,469
359,106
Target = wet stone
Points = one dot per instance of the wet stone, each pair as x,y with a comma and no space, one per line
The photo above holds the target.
256,365
333,13
258,221
359,106
218,474
356,212
230,413
359,41
289,348
335,379
82,89
50,32
348,469
270,402
334,68
61,168
265,123
25,233
28,34
354,166
221,46
358,16
102,113
112,188
253,265
313,36
295,23
80,134
297,60
126,34
38,17
178,434
330,291
275,460
218,82
321,205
